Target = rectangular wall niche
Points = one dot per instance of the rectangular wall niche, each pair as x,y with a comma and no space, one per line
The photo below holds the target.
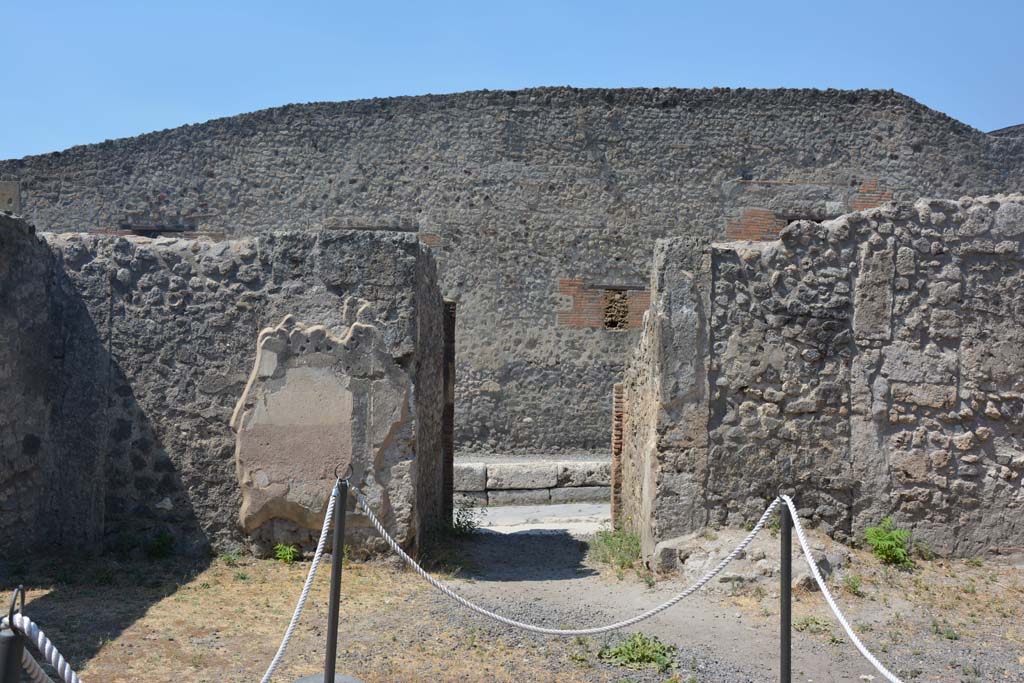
616,309
602,306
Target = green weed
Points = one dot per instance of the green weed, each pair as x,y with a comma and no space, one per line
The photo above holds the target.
467,518
618,548
639,652
889,544
286,553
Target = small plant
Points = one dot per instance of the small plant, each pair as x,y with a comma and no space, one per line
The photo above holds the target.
618,548
639,652
852,584
286,553
944,630
159,546
241,576
230,559
924,551
812,625
974,562
889,544
467,518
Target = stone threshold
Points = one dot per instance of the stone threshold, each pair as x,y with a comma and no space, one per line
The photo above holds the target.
532,482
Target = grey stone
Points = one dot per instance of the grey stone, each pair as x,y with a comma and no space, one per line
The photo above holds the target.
466,498
860,394
470,476
144,382
519,497
466,167
581,494
532,475
585,473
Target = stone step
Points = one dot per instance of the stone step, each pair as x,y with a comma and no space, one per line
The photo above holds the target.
532,482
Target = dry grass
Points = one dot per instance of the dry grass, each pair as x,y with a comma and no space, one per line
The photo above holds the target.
941,610
123,622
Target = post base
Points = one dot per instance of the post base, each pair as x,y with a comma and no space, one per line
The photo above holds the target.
319,678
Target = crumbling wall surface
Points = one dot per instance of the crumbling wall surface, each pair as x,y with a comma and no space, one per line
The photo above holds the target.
52,427
870,365
665,415
26,330
430,399
537,201
179,321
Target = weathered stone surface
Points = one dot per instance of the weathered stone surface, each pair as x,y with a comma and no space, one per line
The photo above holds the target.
872,316
470,476
519,190
931,395
584,473
310,393
869,366
470,498
519,497
534,475
148,345
581,494
51,470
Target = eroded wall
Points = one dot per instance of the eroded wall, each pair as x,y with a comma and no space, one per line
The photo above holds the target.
869,365
537,202
158,340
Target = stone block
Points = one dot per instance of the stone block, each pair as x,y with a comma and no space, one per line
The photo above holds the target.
872,313
930,395
519,497
470,476
589,473
529,475
467,498
582,494
295,422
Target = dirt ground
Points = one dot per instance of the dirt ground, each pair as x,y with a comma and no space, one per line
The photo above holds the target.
166,621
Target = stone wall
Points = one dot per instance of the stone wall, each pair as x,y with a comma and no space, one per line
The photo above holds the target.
26,457
51,428
869,365
159,339
524,192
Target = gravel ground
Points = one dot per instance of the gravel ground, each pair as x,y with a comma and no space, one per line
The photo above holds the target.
121,621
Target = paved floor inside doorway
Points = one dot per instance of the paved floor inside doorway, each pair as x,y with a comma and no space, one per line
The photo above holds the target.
575,518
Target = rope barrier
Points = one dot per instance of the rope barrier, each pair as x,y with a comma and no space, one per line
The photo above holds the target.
813,566
32,669
649,613
30,630
556,631
36,635
321,544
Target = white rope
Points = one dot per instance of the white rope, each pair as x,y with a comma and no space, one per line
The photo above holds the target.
328,516
32,669
35,635
828,595
555,631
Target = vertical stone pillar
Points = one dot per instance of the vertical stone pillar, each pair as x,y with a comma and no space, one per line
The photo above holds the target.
448,416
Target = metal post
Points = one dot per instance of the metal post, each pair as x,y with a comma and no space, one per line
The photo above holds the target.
11,647
785,595
337,559
11,644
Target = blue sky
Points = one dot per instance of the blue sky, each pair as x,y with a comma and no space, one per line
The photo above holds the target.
81,72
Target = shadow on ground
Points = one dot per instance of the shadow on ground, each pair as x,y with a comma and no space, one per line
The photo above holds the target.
83,604
529,555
